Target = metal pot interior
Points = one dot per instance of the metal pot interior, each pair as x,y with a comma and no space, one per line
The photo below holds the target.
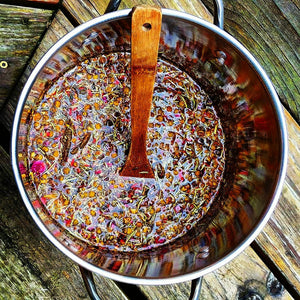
255,141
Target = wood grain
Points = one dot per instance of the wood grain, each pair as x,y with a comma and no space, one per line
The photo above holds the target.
20,32
30,266
59,27
243,277
270,31
84,10
280,237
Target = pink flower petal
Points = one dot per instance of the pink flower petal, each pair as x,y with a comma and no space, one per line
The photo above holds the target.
22,168
38,167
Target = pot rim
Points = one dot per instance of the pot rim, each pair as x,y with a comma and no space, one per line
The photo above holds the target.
137,280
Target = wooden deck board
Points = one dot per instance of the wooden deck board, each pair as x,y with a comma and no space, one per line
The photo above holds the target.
244,276
30,266
20,32
280,237
59,27
269,30
83,10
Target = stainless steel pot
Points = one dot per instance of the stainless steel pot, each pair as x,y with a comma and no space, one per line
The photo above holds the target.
255,131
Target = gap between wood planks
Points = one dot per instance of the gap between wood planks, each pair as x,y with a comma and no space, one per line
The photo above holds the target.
274,269
69,16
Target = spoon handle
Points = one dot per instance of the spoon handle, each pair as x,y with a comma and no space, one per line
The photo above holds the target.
145,35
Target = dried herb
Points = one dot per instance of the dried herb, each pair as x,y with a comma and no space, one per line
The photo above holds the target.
66,143
80,132
85,140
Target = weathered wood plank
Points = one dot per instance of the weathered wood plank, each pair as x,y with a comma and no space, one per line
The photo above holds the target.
20,31
280,237
244,277
83,10
30,266
269,29
59,27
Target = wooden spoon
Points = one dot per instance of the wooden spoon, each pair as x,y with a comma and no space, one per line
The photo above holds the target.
145,34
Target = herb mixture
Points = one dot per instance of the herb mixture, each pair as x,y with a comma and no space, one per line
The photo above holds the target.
79,140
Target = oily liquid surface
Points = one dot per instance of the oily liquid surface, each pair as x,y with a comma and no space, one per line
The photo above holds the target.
79,139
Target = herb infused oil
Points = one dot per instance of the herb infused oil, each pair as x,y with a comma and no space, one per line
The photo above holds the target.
79,139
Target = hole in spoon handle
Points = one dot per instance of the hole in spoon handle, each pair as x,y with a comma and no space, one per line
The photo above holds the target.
147,26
